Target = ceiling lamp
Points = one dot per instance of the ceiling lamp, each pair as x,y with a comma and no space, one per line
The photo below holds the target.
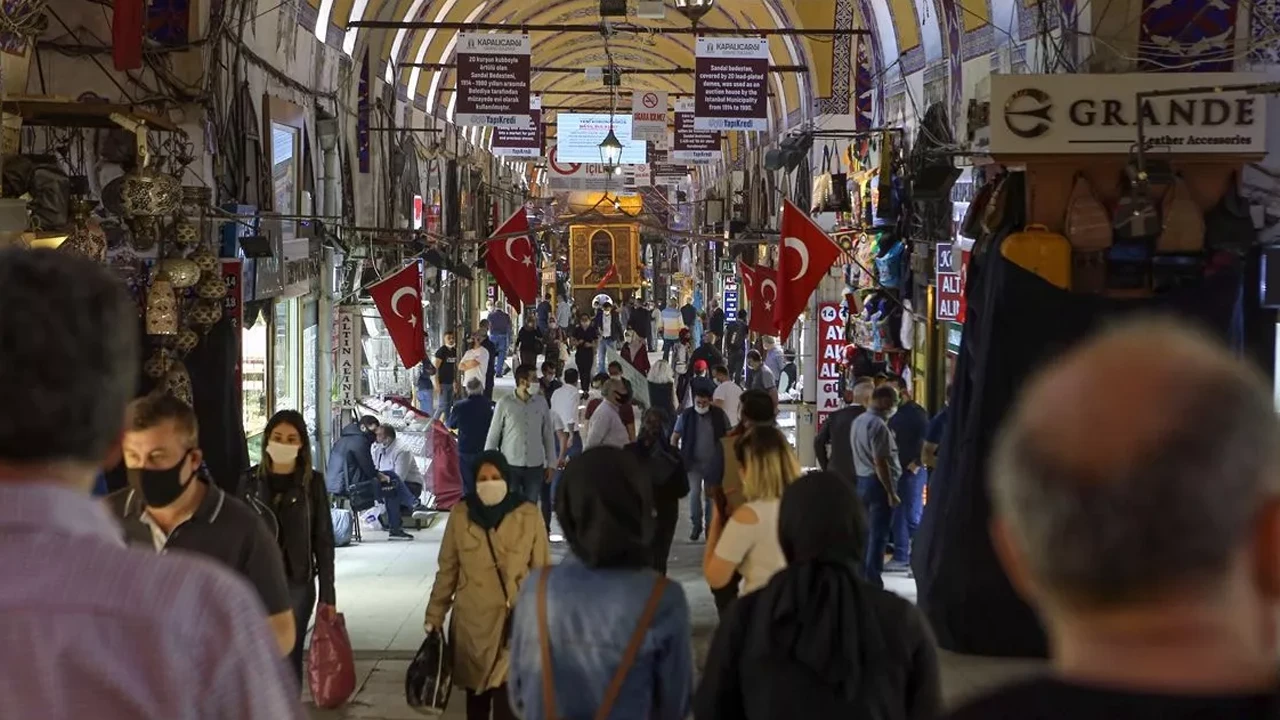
694,9
610,151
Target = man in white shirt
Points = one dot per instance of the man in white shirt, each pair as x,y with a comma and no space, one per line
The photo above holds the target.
474,362
728,394
606,428
392,455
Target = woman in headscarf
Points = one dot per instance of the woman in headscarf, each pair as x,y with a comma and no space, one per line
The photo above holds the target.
668,478
493,541
747,544
603,630
662,392
817,641
636,352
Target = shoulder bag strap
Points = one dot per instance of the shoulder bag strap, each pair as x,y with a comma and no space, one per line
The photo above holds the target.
488,535
633,649
544,640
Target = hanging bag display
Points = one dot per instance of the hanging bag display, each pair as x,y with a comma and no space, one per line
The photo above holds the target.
1228,227
1042,252
821,194
331,666
1088,228
838,201
1182,223
614,689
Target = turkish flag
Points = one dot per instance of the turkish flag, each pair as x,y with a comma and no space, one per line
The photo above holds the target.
804,258
399,301
609,274
510,260
763,287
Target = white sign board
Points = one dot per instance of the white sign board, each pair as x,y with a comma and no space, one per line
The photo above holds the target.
492,79
578,135
1094,114
348,357
589,177
649,115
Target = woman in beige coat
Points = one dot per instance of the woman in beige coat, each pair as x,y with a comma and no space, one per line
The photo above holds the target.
493,540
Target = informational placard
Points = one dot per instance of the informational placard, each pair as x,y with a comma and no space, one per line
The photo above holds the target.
233,311
669,173
493,79
348,357
947,281
521,140
649,115
1083,114
831,345
730,299
688,143
578,137
588,177
731,84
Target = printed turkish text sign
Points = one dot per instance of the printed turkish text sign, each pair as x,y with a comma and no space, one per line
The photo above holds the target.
831,345
521,140
732,84
493,79
688,143
649,115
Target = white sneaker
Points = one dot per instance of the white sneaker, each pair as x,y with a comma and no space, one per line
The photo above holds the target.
557,538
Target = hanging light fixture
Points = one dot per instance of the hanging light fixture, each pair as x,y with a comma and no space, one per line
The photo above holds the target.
694,9
610,150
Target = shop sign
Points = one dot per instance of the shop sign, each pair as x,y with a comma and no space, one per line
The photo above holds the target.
493,79
649,115
348,356
1083,114
669,174
947,281
589,177
731,84
730,299
233,310
687,142
955,331
521,140
831,343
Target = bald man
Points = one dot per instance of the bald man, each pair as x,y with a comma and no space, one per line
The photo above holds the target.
1143,522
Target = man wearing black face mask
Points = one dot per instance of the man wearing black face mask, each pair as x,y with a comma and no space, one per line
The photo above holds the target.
168,506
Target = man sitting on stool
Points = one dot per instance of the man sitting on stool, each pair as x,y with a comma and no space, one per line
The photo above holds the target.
395,460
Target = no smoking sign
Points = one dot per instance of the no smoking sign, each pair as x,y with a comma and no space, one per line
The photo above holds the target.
650,100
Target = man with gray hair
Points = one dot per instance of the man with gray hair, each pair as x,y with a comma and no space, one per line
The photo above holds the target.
1144,524
88,626
836,434
605,426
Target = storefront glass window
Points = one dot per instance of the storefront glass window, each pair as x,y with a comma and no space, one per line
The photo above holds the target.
253,358
285,356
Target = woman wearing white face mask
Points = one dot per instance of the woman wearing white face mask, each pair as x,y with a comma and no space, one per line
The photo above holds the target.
292,498
492,542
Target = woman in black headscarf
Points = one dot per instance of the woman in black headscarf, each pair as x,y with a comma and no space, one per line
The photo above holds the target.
817,641
605,631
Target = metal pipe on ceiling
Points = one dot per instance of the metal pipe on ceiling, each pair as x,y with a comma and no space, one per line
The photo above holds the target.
597,29
619,70
596,93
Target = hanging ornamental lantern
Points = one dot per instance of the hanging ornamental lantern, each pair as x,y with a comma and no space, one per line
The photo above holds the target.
157,366
204,314
205,259
162,306
85,240
211,287
185,341
178,383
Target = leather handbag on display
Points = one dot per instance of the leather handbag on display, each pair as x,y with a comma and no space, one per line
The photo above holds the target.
1088,228
1129,266
971,226
994,213
1228,227
821,193
1136,217
1042,252
1182,224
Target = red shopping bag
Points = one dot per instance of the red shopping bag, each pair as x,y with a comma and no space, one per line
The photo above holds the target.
331,667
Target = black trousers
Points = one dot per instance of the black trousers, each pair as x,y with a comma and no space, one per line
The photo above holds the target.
664,530
304,603
726,595
585,362
480,705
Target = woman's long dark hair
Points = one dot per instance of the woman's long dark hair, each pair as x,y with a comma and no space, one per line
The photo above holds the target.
303,471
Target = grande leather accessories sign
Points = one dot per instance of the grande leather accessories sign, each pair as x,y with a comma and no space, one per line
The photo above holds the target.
687,142
493,79
1091,114
649,115
831,321
731,84
521,140
510,259
804,258
399,301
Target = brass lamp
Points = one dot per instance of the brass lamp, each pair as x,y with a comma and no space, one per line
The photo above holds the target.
694,9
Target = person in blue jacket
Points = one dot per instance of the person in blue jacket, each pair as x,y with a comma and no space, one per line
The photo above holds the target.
471,417
698,432
351,468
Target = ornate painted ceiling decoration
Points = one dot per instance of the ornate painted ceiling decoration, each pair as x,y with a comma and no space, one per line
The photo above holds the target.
1180,36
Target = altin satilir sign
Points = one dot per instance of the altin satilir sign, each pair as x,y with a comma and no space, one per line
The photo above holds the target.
1098,114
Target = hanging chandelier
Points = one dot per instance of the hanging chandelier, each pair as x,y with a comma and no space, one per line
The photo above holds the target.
694,9
610,150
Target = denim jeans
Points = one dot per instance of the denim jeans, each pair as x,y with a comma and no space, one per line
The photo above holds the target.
667,344
500,344
530,481
303,600
906,517
397,498
602,355
698,510
445,405
879,516
467,471
549,489
425,401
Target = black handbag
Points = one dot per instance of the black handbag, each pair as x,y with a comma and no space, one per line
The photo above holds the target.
429,679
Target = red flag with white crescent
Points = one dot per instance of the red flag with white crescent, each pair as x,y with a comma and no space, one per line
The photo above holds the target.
609,274
764,300
804,258
399,301
510,260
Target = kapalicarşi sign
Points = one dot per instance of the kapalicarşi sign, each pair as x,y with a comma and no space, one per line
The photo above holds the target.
493,79
523,141
649,115
731,84
688,143
1093,114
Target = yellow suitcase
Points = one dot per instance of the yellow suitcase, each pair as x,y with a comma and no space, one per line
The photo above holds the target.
1044,253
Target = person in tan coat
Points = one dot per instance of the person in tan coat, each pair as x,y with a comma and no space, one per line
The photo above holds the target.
492,542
